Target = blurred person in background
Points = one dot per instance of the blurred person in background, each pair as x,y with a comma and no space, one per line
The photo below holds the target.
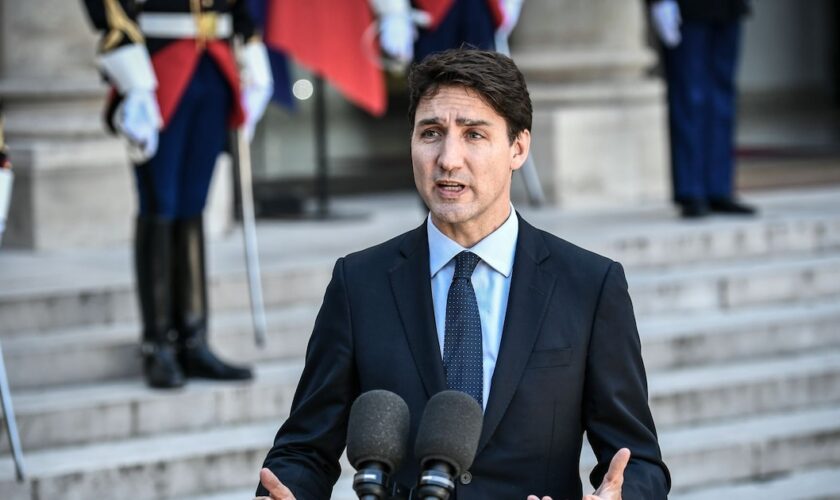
412,29
177,92
5,179
700,40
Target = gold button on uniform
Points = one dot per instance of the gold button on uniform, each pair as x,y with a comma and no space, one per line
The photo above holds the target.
466,477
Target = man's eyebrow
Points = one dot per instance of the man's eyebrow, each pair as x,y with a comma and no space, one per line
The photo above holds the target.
467,122
463,122
428,121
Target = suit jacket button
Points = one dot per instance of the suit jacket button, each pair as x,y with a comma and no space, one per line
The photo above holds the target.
466,478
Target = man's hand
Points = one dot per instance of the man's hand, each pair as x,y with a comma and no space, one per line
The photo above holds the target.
397,27
257,84
138,120
276,489
666,18
610,488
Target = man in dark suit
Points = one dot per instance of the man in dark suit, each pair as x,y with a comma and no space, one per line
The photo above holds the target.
556,353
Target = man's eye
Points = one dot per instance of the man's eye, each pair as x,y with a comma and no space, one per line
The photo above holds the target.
429,133
475,135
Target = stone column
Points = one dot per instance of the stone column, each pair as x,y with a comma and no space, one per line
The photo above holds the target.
600,130
73,183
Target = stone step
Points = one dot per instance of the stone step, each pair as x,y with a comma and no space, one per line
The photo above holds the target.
735,285
245,493
104,300
176,466
648,239
686,397
161,466
710,286
106,352
41,291
127,409
816,484
753,447
680,340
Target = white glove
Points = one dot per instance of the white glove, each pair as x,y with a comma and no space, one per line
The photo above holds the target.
510,12
257,84
396,36
666,18
397,28
138,120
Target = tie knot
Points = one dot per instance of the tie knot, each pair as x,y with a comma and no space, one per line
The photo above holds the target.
465,263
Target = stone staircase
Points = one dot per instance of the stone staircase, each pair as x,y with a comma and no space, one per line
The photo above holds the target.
739,318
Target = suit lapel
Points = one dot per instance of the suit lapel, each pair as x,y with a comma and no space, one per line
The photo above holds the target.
411,286
530,290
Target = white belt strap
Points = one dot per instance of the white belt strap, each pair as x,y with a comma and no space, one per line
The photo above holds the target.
180,25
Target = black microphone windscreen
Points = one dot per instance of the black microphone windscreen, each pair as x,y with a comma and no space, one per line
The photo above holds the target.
377,430
449,430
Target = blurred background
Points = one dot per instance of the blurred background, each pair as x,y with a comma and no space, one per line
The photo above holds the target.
739,317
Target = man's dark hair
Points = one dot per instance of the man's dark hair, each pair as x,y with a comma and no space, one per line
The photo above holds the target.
493,76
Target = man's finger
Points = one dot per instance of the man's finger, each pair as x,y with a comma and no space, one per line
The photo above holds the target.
615,474
277,489
614,479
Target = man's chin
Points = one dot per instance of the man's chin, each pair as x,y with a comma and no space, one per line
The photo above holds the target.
449,214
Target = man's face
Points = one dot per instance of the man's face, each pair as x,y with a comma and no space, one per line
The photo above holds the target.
463,161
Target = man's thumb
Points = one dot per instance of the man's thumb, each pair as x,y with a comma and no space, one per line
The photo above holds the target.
275,488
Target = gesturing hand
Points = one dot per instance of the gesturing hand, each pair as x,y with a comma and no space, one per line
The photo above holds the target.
610,488
276,489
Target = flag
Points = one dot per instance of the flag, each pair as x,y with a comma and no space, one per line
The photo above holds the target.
259,11
331,38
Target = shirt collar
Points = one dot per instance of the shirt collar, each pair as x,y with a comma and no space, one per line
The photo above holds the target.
497,249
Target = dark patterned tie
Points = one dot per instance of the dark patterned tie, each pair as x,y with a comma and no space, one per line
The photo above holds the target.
462,353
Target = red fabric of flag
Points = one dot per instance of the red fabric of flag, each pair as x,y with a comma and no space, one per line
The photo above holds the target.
328,37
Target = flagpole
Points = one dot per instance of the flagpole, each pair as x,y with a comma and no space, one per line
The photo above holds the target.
321,164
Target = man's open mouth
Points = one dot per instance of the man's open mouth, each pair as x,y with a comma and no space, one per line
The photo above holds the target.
450,186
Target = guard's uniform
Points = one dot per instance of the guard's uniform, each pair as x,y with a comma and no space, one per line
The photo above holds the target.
700,72
198,90
198,94
455,23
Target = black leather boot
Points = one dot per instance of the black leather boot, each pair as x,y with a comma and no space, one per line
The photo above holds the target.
153,268
194,354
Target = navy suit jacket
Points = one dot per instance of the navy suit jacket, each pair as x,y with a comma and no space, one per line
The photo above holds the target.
569,362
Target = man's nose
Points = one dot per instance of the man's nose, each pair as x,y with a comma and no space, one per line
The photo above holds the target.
451,154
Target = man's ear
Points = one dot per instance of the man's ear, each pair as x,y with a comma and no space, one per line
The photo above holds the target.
520,148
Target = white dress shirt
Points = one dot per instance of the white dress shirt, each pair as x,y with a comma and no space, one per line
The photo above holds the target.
491,281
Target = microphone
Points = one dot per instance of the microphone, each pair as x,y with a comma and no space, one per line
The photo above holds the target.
446,442
377,438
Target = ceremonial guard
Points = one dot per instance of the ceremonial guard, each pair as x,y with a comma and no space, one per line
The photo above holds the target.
177,91
700,47
412,29
5,181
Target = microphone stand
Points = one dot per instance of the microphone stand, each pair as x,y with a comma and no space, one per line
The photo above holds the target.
371,481
436,482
